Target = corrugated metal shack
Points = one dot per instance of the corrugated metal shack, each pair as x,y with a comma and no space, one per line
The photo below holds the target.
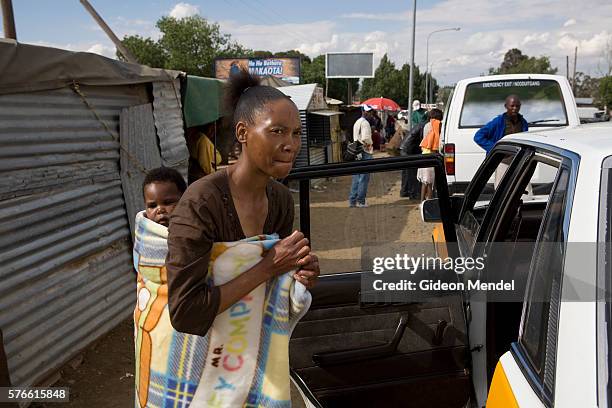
316,127
77,132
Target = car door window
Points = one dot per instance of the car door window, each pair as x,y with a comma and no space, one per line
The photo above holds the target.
345,236
604,286
479,197
537,335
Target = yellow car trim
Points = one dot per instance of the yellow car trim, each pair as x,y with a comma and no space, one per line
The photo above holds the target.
500,392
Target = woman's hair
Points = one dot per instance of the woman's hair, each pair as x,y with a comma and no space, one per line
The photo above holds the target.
436,114
165,174
245,96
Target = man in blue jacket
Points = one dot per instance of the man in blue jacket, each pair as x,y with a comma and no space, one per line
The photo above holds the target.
505,124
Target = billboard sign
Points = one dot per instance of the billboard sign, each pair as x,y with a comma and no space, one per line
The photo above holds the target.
287,69
349,65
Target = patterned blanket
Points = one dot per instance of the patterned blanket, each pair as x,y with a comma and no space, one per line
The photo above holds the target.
243,359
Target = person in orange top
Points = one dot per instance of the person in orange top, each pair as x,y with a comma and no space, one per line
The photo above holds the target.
430,144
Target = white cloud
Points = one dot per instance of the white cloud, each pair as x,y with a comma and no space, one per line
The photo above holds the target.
570,22
378,17
102,49
590,47
182,10
483,43
314,37
536,39
106,50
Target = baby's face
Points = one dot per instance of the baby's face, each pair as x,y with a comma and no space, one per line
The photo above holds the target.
160,199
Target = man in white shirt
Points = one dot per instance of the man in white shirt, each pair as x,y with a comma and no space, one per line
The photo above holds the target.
362,132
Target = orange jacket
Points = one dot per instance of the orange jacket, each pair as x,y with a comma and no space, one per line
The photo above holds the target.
431,141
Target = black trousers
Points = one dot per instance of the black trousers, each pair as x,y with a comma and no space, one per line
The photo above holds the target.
410,185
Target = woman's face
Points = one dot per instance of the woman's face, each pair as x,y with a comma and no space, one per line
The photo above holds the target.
273,141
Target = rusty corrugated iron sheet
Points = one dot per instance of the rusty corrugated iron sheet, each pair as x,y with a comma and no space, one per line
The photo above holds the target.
67,273
168,115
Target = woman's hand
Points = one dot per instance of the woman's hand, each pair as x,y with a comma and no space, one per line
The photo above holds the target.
309,271
284,256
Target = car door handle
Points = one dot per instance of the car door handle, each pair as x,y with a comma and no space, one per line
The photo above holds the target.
363,353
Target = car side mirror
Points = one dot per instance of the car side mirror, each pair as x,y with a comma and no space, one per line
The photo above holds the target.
430,210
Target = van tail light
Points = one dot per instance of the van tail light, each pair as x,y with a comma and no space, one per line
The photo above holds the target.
449,158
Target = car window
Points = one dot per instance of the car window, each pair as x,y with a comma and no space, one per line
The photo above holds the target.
541,102
479,197
537,335
343,235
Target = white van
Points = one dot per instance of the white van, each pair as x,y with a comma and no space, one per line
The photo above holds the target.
547,102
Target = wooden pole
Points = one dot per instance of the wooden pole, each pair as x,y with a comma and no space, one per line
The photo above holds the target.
8,20
411,78
122,49
574,76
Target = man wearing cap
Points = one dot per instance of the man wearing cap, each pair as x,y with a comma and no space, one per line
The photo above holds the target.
362,132
419,115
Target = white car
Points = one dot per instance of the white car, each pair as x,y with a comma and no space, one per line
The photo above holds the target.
550,346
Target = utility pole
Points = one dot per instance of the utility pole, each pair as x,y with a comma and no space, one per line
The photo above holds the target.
574,76
411,80
122,49
567,67
8,20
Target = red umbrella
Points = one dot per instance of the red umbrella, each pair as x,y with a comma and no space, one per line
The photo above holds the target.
382,104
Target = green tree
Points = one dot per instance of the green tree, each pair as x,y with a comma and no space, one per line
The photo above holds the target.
443,94
392,83
515,62
262,54
292,54
586,86
188,44
146,51
605,91
192,44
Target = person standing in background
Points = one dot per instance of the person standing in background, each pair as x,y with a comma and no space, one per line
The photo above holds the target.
203,156
362,132
376,124
505,124
430,144
418,115
389,127
411,188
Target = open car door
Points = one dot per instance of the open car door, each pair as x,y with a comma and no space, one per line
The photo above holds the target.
346,352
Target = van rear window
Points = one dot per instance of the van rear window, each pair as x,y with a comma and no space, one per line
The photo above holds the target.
541,102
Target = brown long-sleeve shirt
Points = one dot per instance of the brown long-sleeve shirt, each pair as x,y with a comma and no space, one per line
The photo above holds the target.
204,215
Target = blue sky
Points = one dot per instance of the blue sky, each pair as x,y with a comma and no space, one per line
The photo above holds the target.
488,28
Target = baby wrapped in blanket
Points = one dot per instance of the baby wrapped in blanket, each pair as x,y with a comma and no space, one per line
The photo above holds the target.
243,359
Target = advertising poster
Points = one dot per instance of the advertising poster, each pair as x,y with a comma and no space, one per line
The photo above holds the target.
287,69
